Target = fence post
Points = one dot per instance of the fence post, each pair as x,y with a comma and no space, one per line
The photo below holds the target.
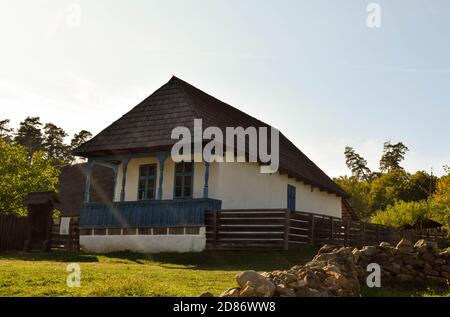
364,233
214,233
287,227
311,230
378,234
331,230
347,232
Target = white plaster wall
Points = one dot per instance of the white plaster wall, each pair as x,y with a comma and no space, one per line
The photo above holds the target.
238,185
144,243
242,186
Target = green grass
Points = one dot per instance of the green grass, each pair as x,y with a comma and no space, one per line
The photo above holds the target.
129,274
404,291
169,274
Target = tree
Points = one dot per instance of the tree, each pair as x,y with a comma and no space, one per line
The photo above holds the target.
402,213
78,139
393,154
420,186
54,144
357,164
20,176
29,135
388,188
5,130
359,193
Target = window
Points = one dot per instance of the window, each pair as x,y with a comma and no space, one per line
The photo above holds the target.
291,197
183,179
147,182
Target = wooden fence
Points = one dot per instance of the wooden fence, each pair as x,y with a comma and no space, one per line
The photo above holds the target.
13,232
283,229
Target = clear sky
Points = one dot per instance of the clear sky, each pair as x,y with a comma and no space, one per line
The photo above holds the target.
313,69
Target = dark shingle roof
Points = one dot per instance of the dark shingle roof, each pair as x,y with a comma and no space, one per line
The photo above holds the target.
177,103
71,187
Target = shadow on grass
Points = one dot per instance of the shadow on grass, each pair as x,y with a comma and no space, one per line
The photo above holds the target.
207,260
223,260
56,256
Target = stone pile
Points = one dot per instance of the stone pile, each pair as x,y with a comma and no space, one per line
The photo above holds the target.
340,271
421,263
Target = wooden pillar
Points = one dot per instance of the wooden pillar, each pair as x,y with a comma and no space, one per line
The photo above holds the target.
115,170
205,188
87,186
331,230
347,232
311,229
162,160
215,224
287,228
124,178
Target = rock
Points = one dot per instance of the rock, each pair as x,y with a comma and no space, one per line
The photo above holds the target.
312,280
284,291
297,284
369,251
327,248
307,292
206,294
248,291
231,292
445,268
385,245
405,247
404,277
428,257
324,257
429,271
246,276
253,284
332,268
423,246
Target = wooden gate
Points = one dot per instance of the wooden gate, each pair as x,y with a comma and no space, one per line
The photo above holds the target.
70,242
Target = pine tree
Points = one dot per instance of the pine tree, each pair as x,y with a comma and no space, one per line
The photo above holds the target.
29,135
357,164
5,131
57,151
393,154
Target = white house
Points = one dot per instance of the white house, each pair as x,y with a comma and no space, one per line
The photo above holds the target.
159,205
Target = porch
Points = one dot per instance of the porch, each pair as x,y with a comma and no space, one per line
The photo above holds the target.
147,214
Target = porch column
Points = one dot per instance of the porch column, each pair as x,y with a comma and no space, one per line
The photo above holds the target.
115,168
205,188
162,160
87,185
124,178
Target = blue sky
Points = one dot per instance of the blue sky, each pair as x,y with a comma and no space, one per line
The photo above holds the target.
313,69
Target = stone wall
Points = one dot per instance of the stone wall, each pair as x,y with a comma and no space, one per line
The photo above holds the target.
341,271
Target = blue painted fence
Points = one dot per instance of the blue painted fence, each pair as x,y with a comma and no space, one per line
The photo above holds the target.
155,213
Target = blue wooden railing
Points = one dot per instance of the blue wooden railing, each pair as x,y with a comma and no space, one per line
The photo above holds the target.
155,213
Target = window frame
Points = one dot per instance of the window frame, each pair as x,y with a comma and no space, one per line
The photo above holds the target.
154,178
183,174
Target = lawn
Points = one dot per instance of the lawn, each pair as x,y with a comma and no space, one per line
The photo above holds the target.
129,274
